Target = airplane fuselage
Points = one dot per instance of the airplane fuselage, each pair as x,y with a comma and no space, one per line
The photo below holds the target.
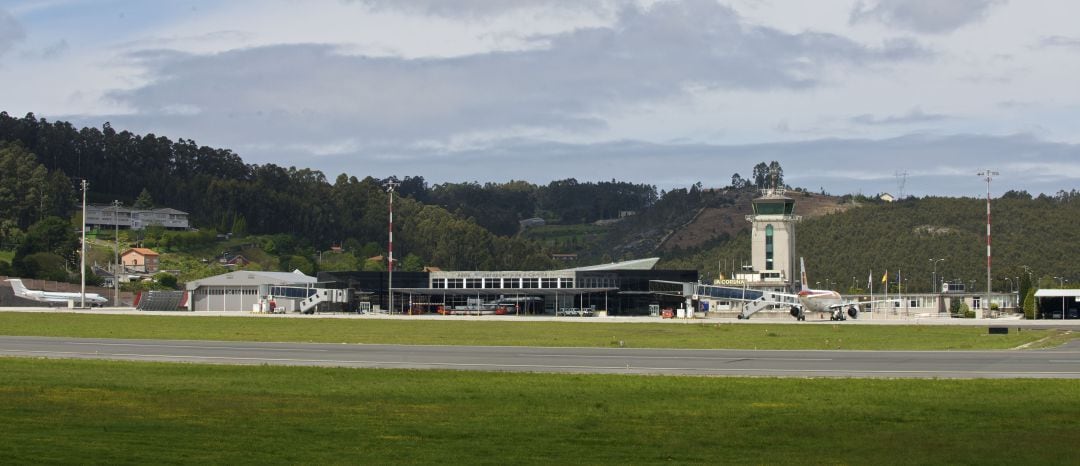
819,300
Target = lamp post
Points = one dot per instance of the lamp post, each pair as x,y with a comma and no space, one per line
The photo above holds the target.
933,279
1034,312
1061,284
116,237
82,255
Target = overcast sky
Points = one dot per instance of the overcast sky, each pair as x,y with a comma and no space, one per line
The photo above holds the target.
847,95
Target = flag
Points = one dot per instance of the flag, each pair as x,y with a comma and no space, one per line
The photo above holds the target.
885,278
870,280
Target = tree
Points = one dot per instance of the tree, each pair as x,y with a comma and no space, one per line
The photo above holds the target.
412,263
23,185
42,265
144,201
52,234
761,175
1029,304
166,280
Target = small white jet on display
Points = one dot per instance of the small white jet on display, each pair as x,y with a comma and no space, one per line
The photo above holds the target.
21,291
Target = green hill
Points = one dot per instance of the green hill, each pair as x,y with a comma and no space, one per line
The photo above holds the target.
842,248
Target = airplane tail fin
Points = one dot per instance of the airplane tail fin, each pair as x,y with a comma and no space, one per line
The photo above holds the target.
18,287
802,274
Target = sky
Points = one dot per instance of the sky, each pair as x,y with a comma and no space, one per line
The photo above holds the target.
909,97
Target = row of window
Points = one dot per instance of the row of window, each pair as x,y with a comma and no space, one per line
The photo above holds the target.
511,283
225,291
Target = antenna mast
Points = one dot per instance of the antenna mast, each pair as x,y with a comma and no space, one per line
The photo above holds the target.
989,175
901,180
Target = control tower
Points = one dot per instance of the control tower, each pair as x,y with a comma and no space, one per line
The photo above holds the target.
772,250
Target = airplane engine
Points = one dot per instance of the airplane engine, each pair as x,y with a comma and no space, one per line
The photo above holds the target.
794,311
853,312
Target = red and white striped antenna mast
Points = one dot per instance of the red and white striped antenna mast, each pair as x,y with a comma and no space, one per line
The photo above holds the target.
989,175
390,185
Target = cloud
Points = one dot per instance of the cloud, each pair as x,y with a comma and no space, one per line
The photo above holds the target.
11,32
309,93
914,116
49,52
923,16
484,8
1061,41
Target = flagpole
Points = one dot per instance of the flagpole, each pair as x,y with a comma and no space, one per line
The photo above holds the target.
871,286
886,280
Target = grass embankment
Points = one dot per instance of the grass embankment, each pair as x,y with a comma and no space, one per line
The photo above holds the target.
66,411
519,333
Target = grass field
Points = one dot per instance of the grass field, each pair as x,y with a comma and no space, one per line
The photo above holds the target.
68,411
522,333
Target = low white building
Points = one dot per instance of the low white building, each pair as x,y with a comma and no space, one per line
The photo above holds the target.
249,290
135,219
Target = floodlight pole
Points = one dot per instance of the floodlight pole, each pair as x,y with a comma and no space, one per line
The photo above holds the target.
82,254
116,236
390,185
989,175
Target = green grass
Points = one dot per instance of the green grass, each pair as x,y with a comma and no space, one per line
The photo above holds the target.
69,411
519,333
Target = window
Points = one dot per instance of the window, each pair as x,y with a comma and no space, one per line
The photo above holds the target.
474,282
453,283
530,283
566,283
768,247
549,283
511,283
438,283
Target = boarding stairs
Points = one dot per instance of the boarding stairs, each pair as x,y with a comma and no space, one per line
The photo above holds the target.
752,307
322,295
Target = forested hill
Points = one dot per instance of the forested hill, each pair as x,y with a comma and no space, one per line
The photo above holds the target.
843,248
477,226
453,226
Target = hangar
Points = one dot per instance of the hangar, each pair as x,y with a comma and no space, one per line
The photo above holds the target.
1058,303
244,290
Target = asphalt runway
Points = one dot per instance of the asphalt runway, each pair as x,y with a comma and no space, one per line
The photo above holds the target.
1059,363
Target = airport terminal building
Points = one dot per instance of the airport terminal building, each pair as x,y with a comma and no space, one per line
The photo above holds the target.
621,288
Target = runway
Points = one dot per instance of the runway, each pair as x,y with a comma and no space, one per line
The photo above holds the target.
1060,363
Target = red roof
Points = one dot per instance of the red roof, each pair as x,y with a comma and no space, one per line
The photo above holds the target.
141,251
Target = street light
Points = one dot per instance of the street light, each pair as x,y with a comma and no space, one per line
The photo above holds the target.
933,279
82,255
1061,284
116,236
1034,312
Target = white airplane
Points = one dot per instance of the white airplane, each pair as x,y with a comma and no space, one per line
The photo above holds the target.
21,291
821,301
809,301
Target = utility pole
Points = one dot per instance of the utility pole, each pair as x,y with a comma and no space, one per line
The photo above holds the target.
116,271
82,254
989,175
390,185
